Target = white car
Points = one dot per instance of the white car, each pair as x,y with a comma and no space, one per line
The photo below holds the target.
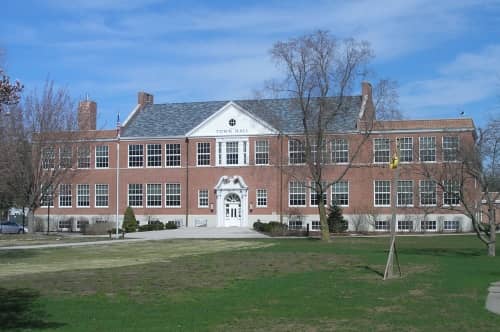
12,228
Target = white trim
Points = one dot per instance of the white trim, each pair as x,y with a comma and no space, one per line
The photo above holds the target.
131,115
208,199
374,194
95,195
417,131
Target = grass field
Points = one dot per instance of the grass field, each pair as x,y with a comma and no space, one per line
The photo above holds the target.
29,239
250,285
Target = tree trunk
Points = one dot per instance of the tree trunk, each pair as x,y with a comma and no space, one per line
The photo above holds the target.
325,232
493,233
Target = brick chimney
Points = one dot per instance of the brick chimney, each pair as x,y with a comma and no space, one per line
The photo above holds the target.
87,115
144,98
366,94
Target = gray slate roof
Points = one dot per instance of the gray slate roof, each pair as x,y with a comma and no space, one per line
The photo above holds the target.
177,119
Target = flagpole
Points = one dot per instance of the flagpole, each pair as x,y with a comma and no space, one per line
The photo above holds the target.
117,171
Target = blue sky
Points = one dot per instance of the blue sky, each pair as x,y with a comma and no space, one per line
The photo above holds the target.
444,54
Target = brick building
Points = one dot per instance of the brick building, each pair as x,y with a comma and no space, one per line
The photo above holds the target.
231,163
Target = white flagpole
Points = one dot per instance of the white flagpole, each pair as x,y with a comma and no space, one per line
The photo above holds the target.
117,171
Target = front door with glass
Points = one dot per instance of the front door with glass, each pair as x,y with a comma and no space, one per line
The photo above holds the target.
232,205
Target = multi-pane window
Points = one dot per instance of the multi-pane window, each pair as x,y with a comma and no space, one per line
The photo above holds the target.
296,152
427,148
173,195
451,192
340,193
82,195
154,155
381,150
451,225
135,194
340,150
405,225
83,156
64,224
173,155
450,148
323,157
153,195
47,196
102,156
314,199
66,156
382,192
203,198
382,225
203,153
232,153
48,157
297,194
135,155
405,149
295,224
65,195
428,225
315,225
405,193
428,194
101,195
261,197
261,152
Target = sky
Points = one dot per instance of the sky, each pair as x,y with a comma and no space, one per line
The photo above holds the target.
445,55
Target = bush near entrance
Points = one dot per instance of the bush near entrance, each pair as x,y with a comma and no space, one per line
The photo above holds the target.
129,222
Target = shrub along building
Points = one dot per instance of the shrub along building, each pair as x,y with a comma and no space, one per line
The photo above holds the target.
232,163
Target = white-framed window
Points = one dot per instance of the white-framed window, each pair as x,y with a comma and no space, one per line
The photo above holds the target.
405,149
295,224
66,156
232,152
315,225
48,157
153,195
261,198
428,225
427,148
135,155
101,195
405,225
82,195
173,155
313,196
203,154
382,225
450,148
135,194
340,150
428,195
405,193
296,152
65,195
451,225
382,191
83,156
203,198
101,156
172,195
262,152
64,224
340,193
154,155
80,223
47,199
297,193
381,150
323,157
451,192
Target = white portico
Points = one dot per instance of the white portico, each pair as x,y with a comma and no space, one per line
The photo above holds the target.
232,202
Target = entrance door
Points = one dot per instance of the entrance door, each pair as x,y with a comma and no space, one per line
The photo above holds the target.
232,207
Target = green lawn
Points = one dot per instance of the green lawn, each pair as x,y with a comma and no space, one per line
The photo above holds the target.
250,285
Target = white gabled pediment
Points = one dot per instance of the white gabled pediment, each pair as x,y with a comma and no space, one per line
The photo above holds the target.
232,120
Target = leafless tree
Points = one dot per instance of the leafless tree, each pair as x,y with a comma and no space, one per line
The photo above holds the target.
10,92
386,100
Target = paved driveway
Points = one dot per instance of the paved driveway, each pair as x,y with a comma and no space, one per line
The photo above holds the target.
199,233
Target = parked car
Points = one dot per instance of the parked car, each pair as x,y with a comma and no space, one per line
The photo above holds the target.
11,227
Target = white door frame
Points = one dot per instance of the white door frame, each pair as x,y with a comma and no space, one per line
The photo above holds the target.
231,185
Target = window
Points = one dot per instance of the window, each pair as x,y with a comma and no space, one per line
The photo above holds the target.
101,195
47,196
154,155
295,224
451,225
340,193
261,153
428,225
405,225
83,156
323,158
65,195
405,149
261,196
451,192
296,152
450,148
427,149
382,193
315,225
203,198
382,225
102,156
135,195
66,156
232,153
173,155
203,154
153,195
314,199
64,224
297,194
405,193
135,155
173,195
381,150
48,158
80,223
82,195
428,193
340,150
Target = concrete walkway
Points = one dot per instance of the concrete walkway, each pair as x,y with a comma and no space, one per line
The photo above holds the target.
493,299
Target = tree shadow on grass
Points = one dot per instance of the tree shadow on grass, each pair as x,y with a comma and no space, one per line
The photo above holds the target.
371,269
448,252
19,310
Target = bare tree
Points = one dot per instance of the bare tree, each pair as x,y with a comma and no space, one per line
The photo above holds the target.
10,92
386,100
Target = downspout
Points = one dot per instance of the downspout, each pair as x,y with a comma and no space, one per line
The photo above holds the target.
280,137
186,190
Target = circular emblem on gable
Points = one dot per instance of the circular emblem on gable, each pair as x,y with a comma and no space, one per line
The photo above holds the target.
232,122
